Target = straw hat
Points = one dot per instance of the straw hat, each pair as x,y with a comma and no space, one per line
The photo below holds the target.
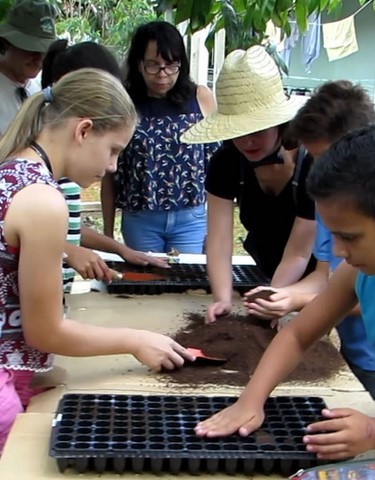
250,97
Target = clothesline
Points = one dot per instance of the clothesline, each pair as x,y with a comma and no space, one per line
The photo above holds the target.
321,80
352,15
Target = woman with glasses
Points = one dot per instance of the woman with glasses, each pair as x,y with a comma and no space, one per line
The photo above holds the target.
159,183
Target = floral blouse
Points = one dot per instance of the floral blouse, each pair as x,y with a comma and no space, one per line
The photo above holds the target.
156,171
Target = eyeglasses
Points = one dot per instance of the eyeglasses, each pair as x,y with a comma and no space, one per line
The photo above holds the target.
154,69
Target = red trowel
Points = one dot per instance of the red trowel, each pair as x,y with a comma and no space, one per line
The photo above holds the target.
202,359
135,276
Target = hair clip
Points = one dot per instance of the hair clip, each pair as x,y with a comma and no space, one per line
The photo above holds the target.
47,95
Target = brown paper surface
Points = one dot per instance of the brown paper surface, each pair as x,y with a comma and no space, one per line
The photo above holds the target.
26,452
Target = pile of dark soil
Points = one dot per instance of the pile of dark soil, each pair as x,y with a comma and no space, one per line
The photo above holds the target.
242,340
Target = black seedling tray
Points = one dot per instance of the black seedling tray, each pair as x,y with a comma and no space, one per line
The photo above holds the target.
156,434
181,277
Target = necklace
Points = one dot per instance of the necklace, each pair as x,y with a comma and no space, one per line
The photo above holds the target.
42,154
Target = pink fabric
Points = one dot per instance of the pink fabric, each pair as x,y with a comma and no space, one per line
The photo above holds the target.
21,380
15,394
10,405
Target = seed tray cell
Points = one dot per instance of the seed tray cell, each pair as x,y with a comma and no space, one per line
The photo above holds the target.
181,277
156,434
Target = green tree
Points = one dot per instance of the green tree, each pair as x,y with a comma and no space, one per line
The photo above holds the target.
4,7
110,22
245,21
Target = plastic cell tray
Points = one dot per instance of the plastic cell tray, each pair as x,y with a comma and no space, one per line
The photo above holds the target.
135,433
181,277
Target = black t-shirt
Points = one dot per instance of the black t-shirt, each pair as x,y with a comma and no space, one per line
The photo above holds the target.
267,218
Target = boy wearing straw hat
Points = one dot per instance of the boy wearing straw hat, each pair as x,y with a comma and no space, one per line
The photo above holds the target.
256,169
334,109
25,36
342,182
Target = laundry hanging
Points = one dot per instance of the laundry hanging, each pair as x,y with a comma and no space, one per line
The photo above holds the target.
340,39
311,42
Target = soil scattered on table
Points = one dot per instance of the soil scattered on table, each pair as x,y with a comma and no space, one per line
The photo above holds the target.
242,340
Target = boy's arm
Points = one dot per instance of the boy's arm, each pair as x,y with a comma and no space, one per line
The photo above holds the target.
292,298
284,354
314,283
312,323
296,254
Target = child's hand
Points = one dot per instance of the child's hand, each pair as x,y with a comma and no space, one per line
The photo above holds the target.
159,351
240,417
348,433
87,263
277,305
140,258
217,309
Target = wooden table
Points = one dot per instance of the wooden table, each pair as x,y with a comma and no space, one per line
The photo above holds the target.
26,453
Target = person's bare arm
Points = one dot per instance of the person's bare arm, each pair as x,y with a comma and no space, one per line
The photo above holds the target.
36,221
283,355
96,241
288,299
219,244
296,254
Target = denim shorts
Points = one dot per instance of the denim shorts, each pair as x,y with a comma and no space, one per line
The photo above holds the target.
160,231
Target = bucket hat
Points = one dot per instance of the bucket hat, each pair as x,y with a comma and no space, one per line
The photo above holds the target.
30,25
250,97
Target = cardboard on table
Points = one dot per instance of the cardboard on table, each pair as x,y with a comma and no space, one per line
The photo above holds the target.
26,452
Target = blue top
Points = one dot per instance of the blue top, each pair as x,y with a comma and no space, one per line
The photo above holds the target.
355,342
365,290
156,171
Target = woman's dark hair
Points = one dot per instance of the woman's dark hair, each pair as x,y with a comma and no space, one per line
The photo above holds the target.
170,46
61,59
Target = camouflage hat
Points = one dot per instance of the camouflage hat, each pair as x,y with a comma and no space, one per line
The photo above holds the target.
30,25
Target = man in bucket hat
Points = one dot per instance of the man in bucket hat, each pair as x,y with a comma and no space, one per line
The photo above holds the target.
261,170
25,36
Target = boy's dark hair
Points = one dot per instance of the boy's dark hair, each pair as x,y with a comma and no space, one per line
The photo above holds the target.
170,46
347,170
61,59
334,109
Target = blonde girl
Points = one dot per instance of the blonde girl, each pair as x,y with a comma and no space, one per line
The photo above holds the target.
77,130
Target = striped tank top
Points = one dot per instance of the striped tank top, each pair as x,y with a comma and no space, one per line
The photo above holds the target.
72,194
